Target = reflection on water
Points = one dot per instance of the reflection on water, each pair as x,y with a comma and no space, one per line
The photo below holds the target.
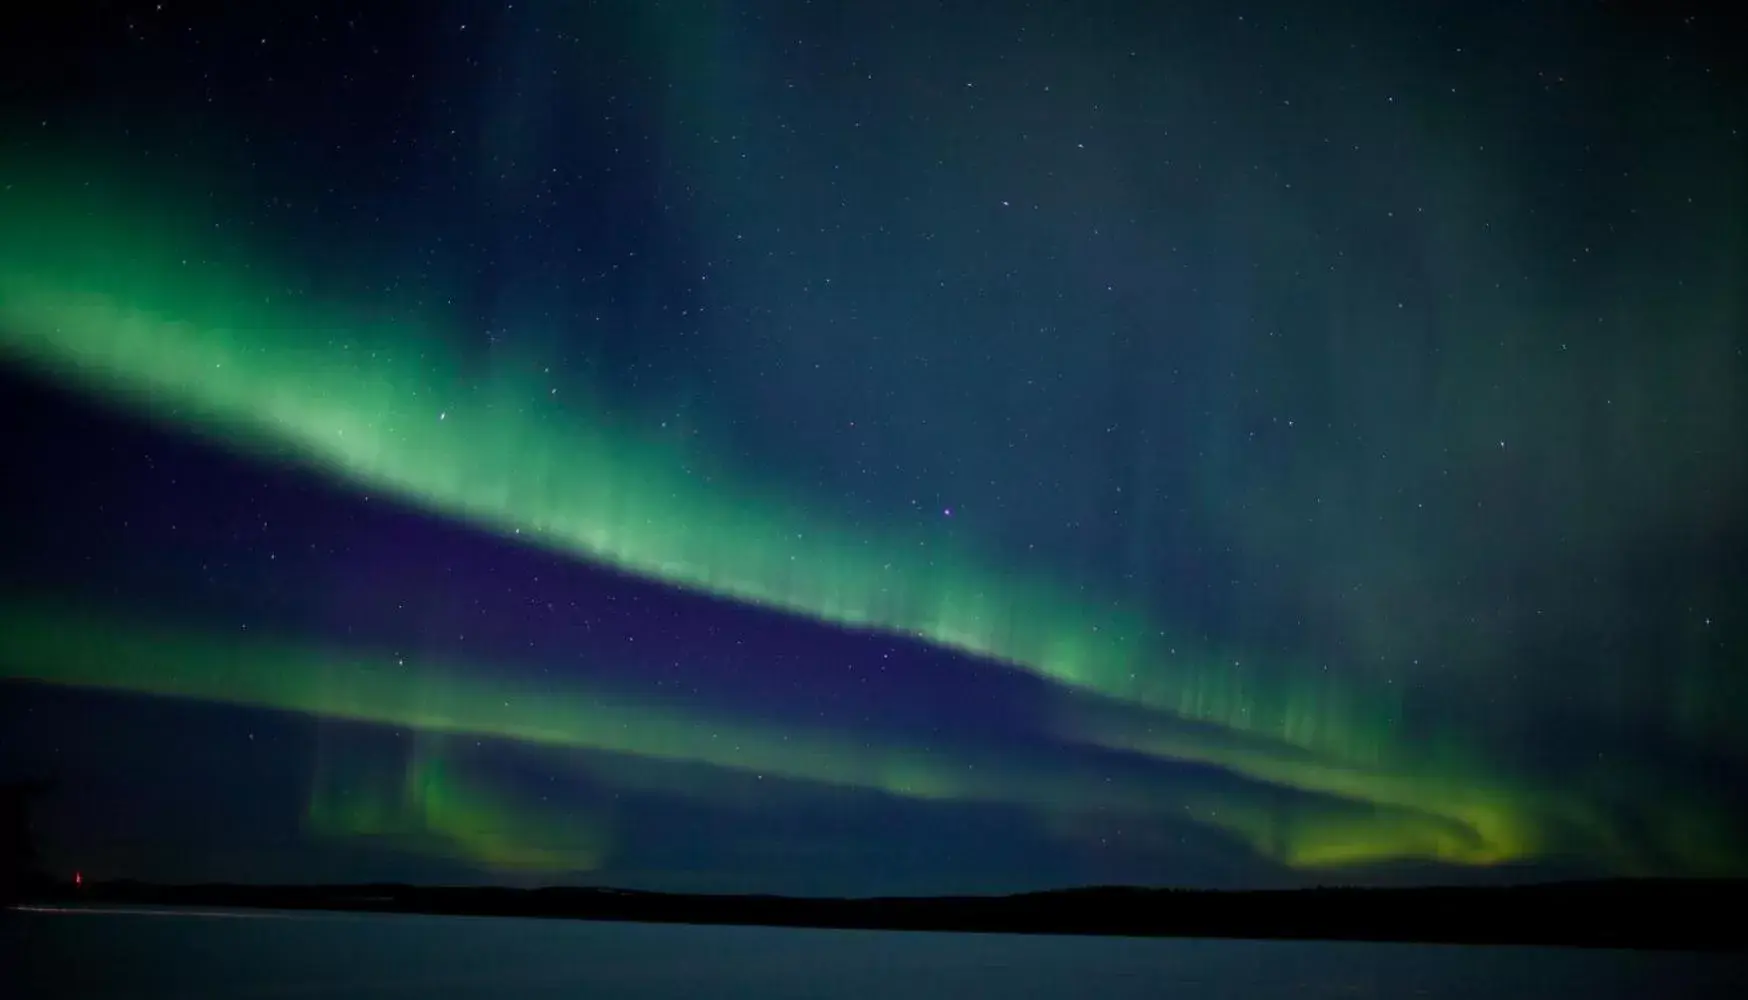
162,953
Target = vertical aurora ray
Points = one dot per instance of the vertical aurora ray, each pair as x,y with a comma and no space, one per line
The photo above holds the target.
434,807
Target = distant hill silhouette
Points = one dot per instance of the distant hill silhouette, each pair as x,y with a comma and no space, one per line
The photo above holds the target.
1660,914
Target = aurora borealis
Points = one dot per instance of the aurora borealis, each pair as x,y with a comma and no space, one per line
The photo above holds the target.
863,452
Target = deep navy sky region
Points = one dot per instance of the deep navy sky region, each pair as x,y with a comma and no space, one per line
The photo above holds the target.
875,448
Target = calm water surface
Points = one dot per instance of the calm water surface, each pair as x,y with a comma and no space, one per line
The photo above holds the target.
102,953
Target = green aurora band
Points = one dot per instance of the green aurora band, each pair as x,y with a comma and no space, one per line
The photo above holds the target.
49,644
54,644
140,307
121,302
1366,818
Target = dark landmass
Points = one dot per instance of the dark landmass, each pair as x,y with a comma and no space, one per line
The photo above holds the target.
1647,914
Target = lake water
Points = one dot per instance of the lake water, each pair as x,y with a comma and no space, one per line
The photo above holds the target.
101,953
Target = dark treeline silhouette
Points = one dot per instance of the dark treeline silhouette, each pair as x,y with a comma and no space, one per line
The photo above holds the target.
1661,914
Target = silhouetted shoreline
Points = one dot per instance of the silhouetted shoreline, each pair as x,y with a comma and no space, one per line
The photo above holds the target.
1647,914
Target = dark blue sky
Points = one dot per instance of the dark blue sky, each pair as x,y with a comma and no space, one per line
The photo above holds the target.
1186,444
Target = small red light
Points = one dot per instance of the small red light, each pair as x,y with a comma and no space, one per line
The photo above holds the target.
78,878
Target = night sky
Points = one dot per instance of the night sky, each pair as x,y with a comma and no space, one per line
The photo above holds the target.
866,448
